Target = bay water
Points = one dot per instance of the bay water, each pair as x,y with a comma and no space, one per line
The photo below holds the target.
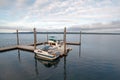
97,58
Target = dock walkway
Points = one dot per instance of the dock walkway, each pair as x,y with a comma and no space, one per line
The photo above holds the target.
25,47
22,47
29,47
8,48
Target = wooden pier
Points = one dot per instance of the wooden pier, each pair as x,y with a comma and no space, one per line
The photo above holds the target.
29,47
32,47
21,47
8,48
26,48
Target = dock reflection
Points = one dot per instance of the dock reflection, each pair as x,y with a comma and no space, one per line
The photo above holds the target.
36,67
19,59
79,51
47,64
65,73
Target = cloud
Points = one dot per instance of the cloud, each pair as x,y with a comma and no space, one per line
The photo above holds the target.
6,4
96,26
80,9
20,3
111,26
3,3
53,13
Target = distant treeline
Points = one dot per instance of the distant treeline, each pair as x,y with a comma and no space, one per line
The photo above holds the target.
50,32
99,33
69,33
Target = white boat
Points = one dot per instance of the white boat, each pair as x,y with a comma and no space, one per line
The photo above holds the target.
51,51
46,53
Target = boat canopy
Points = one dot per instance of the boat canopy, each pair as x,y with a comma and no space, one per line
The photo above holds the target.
52,38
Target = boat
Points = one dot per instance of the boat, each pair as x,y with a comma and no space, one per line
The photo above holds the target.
47,53
52,50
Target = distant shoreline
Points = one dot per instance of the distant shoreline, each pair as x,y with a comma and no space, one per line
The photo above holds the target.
66,33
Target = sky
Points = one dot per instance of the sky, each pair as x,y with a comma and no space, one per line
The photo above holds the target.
48,15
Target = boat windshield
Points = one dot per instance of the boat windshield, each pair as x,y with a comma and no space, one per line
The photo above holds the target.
46,48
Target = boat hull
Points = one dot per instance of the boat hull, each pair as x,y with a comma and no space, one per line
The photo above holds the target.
45,56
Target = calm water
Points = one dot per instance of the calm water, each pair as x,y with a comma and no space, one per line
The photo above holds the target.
98,58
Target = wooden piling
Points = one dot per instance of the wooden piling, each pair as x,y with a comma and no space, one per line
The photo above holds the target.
35,40
47,37
65,41
17,37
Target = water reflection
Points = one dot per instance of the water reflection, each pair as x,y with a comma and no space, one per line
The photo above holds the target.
49,64
65,74
79,51
46,63
19,56
36,68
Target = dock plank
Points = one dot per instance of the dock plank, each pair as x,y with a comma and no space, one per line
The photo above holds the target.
8,48
22,47
25,47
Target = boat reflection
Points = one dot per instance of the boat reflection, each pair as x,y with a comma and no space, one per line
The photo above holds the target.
49,64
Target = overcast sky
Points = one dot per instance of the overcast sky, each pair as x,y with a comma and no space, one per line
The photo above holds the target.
56,14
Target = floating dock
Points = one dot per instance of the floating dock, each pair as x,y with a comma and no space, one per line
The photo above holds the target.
22,47
8,48
26,48
29,47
